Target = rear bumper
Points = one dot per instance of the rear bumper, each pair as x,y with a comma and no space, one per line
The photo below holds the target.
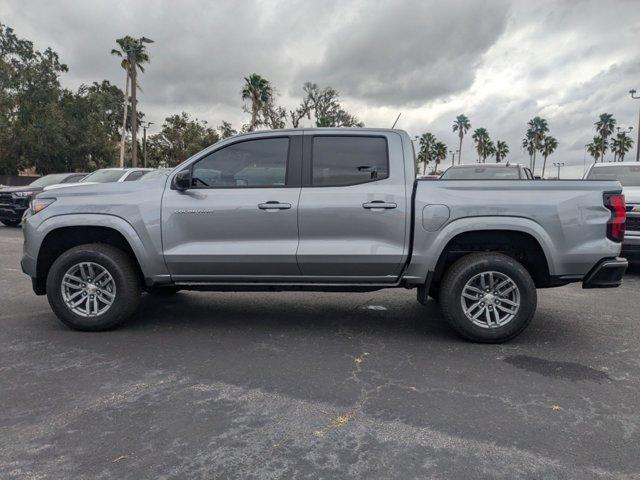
606,274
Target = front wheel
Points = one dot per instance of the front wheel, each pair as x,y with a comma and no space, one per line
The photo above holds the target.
93,287
488,297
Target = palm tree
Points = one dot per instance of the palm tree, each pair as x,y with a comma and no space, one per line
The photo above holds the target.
427,140
527,144
259,92
130,50
538,128
439,154
597,148
462,126
501,151
481,138
604,127
621,145
548,147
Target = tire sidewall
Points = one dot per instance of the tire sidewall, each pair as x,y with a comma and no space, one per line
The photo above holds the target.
125,292
463,271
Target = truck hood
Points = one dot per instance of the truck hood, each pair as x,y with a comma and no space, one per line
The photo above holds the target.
25,188
64,185
631,194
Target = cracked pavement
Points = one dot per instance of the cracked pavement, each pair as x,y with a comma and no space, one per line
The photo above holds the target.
317,385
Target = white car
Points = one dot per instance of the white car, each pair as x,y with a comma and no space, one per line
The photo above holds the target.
107,175
628,174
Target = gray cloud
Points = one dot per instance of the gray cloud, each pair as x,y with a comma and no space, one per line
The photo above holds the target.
500,63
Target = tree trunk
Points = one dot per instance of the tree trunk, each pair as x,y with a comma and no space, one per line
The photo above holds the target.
124,117
460,150
134,114
544,165
533,163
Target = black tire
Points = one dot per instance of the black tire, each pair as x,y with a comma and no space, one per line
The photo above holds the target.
467,268
11,223
168,291
120,267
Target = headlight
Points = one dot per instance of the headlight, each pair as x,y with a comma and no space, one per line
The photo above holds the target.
23,194
38,204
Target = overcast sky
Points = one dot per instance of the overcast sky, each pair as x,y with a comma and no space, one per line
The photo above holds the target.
501,63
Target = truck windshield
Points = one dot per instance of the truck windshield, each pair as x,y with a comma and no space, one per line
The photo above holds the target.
104,176
481,173
49,180
627,175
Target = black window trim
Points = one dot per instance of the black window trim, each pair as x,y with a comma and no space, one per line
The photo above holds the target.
307,166
292,164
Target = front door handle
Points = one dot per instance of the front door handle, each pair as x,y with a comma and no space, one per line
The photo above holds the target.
274,206
379,204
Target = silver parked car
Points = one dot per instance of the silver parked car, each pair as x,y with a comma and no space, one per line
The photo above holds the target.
106,175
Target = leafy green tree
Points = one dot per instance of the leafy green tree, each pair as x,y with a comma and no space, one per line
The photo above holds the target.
131,50
620,146
538,127
501,150
549,146
425,153
258,91
462,126
604,127
439,155
226,130
180,137
322,106
597,148
481,138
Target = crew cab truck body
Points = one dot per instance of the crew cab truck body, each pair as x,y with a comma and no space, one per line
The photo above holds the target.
328,210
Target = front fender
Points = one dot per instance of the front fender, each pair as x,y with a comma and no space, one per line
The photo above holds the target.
151,262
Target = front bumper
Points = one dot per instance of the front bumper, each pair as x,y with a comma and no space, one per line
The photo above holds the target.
12,212
631,247
606,274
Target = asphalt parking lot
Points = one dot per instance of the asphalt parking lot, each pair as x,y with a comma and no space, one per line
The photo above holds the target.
290,385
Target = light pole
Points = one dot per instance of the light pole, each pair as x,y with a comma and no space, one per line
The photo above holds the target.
633,95
453,157
132,51
144,141
558,164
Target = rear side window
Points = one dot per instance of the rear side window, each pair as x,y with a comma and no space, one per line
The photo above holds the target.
342,160
253,163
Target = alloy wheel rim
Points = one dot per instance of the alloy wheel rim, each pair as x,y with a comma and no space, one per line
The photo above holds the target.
88,289
490,299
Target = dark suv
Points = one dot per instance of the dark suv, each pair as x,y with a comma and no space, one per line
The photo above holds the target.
15,200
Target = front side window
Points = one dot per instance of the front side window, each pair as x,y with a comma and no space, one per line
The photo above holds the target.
342,160
254,163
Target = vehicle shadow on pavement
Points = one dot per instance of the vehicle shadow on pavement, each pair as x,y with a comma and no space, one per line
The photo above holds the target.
284,312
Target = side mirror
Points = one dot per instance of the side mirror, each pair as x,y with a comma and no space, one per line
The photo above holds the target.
182,180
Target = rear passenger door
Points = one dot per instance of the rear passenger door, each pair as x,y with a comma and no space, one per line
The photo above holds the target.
353,208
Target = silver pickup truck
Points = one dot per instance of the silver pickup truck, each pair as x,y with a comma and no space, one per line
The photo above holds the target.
322,210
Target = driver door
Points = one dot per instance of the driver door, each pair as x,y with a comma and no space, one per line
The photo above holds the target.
238,221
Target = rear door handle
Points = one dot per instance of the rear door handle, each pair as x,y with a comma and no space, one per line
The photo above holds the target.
274,206
379,204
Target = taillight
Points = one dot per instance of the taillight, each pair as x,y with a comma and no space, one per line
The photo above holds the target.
616,224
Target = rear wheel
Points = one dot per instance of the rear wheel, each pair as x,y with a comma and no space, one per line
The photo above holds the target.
488,297
11,223
93,287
